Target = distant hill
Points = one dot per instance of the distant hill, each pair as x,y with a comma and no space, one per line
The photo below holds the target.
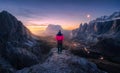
52,30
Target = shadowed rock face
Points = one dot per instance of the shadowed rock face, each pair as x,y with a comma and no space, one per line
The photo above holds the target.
11,29
103,33
14,39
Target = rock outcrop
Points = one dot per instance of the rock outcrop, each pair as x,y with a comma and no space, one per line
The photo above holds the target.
63,63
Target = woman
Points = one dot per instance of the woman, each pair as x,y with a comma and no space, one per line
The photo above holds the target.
59,38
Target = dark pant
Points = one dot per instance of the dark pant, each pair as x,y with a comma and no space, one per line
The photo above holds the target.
59,45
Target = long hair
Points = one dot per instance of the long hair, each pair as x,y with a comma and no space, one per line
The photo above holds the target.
59,33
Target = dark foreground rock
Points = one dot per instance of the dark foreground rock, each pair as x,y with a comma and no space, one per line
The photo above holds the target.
63,63
5,66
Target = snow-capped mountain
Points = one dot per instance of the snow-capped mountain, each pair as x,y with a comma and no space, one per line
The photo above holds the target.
115,15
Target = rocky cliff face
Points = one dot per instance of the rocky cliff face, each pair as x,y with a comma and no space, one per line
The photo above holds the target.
13,28
102,33
15,41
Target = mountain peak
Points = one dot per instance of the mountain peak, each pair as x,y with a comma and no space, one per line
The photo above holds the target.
54,27
6,14
10,25
115,15
4,11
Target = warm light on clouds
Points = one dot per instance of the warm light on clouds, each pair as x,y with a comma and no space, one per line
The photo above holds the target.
70,27
36,29
36,25
39,29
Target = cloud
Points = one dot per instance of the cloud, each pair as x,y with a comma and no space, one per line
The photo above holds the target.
37,24
43,24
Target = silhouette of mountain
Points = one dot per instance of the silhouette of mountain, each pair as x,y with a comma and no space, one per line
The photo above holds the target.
16,43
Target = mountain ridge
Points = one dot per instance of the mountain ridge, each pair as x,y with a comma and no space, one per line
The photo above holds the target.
103,35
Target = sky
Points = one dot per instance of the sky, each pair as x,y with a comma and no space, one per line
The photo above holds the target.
37,14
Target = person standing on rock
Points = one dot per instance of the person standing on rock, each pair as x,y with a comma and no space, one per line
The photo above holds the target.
59,38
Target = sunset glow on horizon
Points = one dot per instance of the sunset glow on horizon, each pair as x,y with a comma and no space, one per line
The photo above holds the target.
36,29
40,29
37,26
36,15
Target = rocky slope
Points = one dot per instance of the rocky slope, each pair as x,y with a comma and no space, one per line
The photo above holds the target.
17,45
63,63
101,34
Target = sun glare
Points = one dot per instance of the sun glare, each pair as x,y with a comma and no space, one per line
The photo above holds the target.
88,15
